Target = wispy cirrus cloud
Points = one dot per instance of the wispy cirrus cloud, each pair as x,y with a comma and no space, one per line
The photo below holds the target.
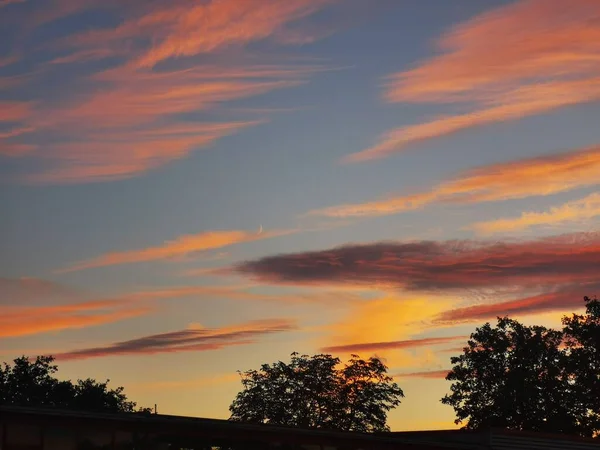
193,339
179,29
573,211
429,265
181,246
539,176
138,111
518,60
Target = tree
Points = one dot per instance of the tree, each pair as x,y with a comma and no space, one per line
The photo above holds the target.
313,391
582,341
31,382
515,377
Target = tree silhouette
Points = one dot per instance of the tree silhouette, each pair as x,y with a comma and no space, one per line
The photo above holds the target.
31,382
582,340
530,377
313,391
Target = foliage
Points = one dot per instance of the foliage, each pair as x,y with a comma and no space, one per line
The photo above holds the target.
313,391
530,377
582,341
31,382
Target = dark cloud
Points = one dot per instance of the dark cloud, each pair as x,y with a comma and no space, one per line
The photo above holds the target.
192,339
429,265
378,346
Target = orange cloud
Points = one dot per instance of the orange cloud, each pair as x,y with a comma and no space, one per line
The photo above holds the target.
565,298
227,22
577,210
183,245
14,111
523,178
404,344
120,156
45,306
130,127
427,374
22,321
518,60
128,120
193,339
181,29
384,327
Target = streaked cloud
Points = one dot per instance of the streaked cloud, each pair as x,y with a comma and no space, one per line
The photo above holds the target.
427,374
180,29
26,320
517,60
125,117
567,297
30,306
431,265
390,345
573,211
193,339
14,111
181,246
539,176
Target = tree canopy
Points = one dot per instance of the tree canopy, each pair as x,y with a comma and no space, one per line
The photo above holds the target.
29,382
530,377
315,391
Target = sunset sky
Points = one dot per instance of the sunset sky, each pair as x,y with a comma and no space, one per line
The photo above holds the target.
190,188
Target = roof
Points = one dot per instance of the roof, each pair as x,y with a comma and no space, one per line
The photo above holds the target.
210,428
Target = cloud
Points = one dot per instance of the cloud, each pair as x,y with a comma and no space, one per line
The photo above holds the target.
183,245
141,110
517,60
22,321
31,306
433,265
564,298
539,176
35,292
573,211
194,339
179,29
14,111
427,374
390,345
4,3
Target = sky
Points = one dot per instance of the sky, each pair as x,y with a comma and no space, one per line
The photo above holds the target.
192,188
